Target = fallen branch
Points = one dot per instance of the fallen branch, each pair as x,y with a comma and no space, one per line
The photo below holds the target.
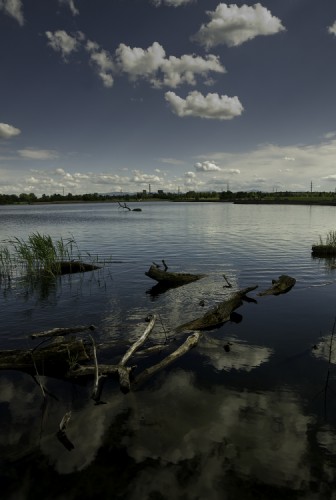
282,285
54,359
139,342
57,332
217,315
89,370
162,276
123,372
98,379
190,342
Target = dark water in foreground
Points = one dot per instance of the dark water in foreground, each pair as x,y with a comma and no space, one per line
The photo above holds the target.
255,422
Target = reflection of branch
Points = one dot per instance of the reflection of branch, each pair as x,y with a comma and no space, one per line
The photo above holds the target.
61,435
37,377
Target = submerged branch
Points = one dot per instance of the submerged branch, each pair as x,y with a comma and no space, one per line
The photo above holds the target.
190,342
55,332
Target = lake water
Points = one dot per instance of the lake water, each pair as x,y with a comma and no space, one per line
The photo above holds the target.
255,421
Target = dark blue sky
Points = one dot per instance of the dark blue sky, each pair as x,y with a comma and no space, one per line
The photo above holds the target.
193,94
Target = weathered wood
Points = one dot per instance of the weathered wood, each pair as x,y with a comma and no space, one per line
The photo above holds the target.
72,266
53,359
89,370
218,314
98,379
282,285
139,342
190,342
58,332
163,276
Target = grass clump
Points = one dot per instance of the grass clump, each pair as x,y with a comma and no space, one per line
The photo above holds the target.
326,246
330,239
39,255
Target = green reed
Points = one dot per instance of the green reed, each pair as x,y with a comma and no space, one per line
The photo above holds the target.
39,254
330,239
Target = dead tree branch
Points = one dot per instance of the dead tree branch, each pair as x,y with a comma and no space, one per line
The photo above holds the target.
189,343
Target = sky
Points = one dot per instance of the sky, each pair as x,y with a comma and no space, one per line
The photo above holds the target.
110,96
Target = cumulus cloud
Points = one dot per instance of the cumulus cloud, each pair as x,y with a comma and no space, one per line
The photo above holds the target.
211,106
8,131
38,154
102,61
207,166
332,29
149,63
171,3
13,8
233,25
141,178
61,42
136,63
71,5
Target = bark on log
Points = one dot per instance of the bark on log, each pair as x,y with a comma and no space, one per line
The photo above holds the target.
72,266
217,315
281,285
139,342
163,276
58,332
190,342
53,359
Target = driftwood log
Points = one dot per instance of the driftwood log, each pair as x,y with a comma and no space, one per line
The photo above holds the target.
57,332
190,342
53,359
218,315
282,285
72,266
168,278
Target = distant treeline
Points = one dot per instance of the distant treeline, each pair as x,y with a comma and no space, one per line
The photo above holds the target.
235,197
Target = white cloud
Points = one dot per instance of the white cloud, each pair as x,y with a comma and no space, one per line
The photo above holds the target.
61,42
137,62
8,131
148,63
38,154
332,29
211,106
102,61
71,5
172,3
233,25
207,166
141,178
13,8
183,70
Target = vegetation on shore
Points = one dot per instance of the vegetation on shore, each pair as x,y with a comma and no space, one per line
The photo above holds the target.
255,197
39,256
325,247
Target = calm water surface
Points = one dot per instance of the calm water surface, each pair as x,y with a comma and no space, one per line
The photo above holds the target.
255,422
